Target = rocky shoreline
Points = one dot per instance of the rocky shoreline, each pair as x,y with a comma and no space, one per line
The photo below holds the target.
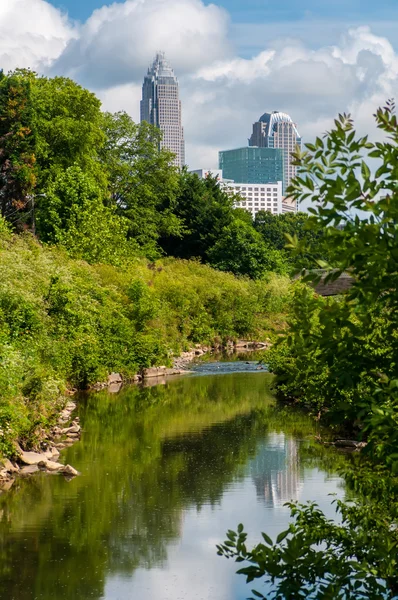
68,431
64,434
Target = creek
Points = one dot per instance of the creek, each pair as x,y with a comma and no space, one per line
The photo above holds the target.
166,469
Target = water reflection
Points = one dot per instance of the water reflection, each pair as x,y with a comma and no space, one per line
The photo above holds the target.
165,471
275,470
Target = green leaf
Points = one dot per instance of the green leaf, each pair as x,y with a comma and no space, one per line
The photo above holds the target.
365,170
267,539
282,536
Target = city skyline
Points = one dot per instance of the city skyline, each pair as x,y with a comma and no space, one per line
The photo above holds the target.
161,106
277,130
229,71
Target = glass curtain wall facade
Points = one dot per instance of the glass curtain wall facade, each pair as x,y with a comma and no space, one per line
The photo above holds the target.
252,165
161,106
277,130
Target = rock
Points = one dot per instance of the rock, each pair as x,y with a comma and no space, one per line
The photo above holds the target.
114,378
4,474
153,372
49,465
73,436
242,344
51,453
114,388
349,444
98,386
10,467
29,470
55,467
160,372
60,446
18,448
31,458
73,429
68,470
7,485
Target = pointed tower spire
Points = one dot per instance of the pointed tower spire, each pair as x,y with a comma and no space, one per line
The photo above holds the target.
161,106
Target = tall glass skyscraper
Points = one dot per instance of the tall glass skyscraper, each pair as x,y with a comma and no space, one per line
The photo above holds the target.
161,106
252,165
277,130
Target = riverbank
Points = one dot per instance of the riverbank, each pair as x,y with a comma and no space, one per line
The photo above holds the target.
26,463
67,431
65,324
164,470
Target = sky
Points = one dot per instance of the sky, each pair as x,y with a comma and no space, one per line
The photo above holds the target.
235,59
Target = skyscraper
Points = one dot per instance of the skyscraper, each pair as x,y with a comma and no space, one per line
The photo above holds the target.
161,106
277,130
252,165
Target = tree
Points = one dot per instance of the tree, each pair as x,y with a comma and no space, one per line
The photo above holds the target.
142,181
242,251
68,121
276,229
204,209
18,143
73,215
339,358
46,126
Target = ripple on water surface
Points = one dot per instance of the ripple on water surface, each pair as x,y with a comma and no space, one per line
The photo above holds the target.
166,470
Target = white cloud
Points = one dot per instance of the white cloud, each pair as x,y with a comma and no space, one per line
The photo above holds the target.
32,33
226,97
117,42
122,97
222,93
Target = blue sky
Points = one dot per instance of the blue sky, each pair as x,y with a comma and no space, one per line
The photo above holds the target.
255,11
309,58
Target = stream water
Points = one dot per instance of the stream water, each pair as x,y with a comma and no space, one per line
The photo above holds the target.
165,471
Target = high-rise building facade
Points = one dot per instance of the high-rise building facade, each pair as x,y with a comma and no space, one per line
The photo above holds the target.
161,106
256,197
277,130
252,165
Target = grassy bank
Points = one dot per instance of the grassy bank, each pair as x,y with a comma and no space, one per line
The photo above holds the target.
65,323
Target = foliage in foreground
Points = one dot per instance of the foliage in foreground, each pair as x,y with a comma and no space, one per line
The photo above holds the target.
339,359
319,559
64,322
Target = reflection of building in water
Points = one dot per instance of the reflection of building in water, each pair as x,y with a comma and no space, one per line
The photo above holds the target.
275,470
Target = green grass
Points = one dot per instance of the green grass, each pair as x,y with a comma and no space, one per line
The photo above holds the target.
65,323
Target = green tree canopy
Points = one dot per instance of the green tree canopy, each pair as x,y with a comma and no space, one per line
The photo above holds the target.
204,210
242,251
68,120
142,181
276,229
73,215
18,143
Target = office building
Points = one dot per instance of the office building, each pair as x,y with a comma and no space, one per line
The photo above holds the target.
277,130
258,196
252,165
253,196
161,106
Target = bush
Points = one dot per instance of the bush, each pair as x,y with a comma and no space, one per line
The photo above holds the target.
64,322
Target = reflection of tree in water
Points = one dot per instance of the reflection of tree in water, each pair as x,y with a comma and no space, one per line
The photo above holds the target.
275,470
146,456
